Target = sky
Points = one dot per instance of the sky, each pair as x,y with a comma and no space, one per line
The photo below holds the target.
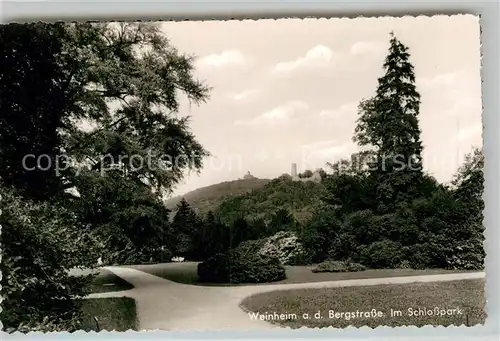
286,91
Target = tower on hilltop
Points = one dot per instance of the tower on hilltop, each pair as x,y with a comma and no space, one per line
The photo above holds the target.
294,171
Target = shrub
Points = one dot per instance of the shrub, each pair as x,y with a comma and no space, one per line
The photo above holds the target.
162,255
338,266
431,254
330,266
317,235
250,247
405,264
243,264
215,269
343,246
355,267
286,247
381,254
467,256
250,266
41,242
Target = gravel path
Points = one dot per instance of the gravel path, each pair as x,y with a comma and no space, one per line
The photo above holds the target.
167,305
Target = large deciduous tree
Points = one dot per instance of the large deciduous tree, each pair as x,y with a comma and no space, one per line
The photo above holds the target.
96,100
105,95
34,103
101,102
129,79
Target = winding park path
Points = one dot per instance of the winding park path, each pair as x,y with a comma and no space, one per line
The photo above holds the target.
167,305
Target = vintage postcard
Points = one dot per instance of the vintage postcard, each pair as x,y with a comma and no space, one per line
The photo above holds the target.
209,175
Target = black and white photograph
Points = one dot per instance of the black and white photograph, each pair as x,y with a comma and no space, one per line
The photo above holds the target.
241,174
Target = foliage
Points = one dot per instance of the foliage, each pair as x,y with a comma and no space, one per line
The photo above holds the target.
215,269
388,122
103,100
468,251
381,254
131,220
41,242
355,267
338,266
278,205
208,198
34,100
244,264
306,174
240,230
281,220
250,266
298,198
316,236
286,247
378,208
381,209
133,66
469,179
186,224
330,266
404,265
213,237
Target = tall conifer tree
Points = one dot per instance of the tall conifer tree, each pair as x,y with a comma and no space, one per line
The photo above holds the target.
389,123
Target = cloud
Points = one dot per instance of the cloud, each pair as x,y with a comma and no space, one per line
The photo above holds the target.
319,144
464,107
438,81
452,94
330,150
243,95
225,58
470,133
368,47
318,56
280,114
345,109
323,56
453,86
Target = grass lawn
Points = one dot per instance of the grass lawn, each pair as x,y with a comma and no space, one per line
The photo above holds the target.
185,272
466,295
108,281
117,313
112,313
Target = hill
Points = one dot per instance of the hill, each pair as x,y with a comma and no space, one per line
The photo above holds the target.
299,198
208,198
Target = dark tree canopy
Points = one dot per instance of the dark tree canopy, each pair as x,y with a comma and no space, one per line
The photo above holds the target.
121,81
103,108
306,174
186,225
101,102
388,122
34,99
